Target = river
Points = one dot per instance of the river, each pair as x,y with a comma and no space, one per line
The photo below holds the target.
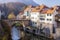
15,32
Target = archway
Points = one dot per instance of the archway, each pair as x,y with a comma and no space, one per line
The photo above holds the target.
16,31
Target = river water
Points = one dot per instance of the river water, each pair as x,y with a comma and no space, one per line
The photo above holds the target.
15,32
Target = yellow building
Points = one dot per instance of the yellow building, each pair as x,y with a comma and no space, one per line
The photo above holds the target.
11,16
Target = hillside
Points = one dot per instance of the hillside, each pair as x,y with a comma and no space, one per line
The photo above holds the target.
15,7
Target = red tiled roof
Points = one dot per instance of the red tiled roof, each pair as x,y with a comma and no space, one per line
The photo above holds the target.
42,9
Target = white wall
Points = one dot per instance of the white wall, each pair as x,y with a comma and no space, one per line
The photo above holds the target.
51,17
44,16
34,16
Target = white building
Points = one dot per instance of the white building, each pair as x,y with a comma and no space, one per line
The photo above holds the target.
27,12
34,18
42,16
33,14
47,18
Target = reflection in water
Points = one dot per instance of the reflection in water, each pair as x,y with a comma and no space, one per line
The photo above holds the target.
15,32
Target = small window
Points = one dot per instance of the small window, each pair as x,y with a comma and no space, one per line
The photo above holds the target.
42,18
48,14
27,13
35,23
49,19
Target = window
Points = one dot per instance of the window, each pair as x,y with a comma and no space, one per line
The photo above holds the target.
42,15
49,19
42,18
48,14
27,13
34,23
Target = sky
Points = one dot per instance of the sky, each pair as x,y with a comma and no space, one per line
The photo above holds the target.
48,2
45,2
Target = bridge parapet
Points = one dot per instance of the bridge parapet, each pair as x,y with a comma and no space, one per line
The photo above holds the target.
11,22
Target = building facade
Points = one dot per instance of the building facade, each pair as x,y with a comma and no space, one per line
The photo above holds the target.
42,16
47,19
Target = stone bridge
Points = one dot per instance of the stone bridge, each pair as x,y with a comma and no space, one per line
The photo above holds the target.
8,23
11,22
